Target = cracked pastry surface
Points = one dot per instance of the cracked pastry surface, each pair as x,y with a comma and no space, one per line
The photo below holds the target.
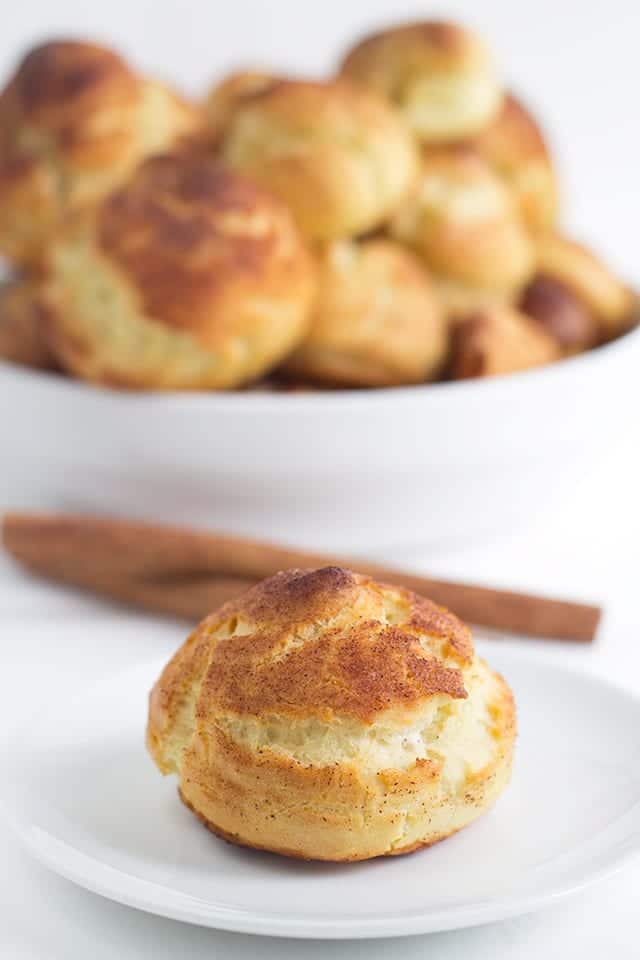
440,77
462,220
75,120
500,340
589,280
325,716
337,155
515,147
188,277
376,320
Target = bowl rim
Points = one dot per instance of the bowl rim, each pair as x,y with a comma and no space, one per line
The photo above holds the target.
282,402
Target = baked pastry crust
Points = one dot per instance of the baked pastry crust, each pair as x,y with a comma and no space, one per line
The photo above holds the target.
338,156
515,147
324,716
22,318
376,319
552,304
590,281
440,76
188,277
228,94
459,300
500,340
462,219
75,120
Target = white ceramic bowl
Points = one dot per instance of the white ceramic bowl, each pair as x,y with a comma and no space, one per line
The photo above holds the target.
348,470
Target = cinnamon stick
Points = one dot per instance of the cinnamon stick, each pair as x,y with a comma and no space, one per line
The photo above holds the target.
182,572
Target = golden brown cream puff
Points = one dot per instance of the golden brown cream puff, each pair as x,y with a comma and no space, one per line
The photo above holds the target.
462,219
188,277
515,147
440,76
500,340
75,120
338,156
325,716
590,280
376,320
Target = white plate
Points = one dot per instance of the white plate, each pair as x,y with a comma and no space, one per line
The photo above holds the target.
88,802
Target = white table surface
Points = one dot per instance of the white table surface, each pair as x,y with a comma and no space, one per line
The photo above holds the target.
54,639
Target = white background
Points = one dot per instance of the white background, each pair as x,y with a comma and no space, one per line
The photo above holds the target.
578,64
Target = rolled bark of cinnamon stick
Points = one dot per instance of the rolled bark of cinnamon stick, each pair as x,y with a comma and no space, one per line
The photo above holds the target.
187,573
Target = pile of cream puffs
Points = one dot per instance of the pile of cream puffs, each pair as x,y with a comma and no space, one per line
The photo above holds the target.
394,224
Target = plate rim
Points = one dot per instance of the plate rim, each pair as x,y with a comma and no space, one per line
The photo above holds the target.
120,886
